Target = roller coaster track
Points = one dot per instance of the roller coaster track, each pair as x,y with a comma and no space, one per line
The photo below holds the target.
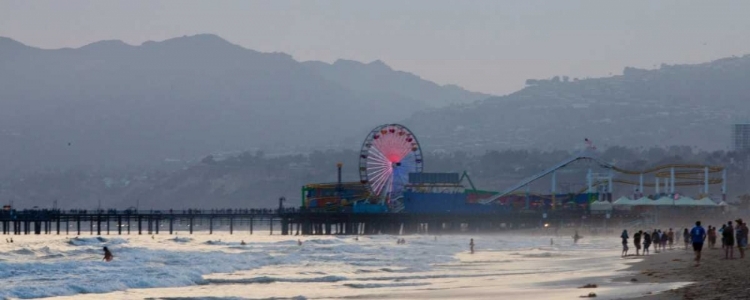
692,172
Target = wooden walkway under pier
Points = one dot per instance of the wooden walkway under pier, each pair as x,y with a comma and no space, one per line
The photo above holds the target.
285,222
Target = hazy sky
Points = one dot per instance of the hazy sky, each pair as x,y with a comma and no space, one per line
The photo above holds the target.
488,46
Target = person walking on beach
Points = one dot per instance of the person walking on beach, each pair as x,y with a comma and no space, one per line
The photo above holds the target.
656,240
624,237
698,235
686,237
107,255
728,235
670,237
646,242
711,237
637,242
721,231
663,238
471,246
741,237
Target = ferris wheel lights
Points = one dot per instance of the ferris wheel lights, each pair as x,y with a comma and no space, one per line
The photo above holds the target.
389,153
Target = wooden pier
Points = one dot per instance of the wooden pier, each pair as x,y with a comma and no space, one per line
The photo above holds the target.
284,222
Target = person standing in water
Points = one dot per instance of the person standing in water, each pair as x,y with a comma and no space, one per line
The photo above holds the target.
107,255
576,237
686,237
624,237
471,246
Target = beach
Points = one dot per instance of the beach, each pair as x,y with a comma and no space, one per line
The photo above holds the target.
714,278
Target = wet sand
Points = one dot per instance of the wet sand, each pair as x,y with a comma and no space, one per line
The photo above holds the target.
714,278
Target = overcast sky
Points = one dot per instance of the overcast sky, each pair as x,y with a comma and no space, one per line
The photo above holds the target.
487,46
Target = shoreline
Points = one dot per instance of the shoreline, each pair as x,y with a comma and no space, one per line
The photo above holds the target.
714,278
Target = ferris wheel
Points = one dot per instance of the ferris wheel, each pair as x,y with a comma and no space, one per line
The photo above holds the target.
389,153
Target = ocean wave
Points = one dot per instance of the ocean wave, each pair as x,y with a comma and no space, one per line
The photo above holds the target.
181,239
542,255
23,251
269,279
383,285
84,241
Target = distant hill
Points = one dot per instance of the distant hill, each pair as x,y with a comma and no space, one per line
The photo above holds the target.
113,104
377,78
674,105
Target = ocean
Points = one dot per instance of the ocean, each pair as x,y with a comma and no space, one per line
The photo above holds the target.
218,266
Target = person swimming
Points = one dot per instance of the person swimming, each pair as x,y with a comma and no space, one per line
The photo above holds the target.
107,255
243,243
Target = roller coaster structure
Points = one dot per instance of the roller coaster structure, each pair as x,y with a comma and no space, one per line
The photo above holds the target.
687,174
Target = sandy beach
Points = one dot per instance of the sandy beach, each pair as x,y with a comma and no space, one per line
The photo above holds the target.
714,278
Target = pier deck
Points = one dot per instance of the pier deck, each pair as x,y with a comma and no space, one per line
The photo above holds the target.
285,222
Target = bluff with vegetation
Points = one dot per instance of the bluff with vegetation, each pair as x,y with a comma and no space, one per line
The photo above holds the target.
671,105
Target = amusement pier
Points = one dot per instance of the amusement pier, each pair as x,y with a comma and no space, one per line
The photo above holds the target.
394,196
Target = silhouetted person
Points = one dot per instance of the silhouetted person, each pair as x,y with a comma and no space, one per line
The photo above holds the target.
728,234
299,242
107,255
471,246
243,243
698,235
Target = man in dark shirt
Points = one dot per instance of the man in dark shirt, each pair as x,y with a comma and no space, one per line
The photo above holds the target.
698,235
728,236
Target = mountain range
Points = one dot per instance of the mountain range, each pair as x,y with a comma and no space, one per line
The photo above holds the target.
110,104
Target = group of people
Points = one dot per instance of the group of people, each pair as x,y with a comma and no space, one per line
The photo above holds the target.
641,239
731,234
9,241
400,241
